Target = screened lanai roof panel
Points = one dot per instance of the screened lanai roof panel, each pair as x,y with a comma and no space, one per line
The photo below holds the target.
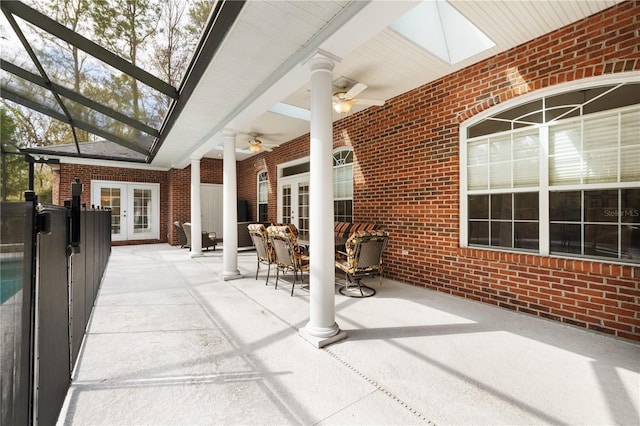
59,69
11,47
28,91
106,123
114,13
79,71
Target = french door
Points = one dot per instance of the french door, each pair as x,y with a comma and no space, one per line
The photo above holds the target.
135,208
294,203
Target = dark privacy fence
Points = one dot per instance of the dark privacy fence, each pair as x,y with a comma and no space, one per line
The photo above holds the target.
50,275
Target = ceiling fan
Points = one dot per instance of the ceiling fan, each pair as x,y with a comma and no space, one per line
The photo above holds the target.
256,144
344,100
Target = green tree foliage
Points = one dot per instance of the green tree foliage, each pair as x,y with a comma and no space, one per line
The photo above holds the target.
157,35
15,177
198,18
14,169
125,27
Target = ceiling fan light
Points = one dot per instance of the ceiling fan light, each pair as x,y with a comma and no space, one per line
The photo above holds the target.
255,146
343,106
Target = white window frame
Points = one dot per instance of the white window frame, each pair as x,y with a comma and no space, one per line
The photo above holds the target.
335,198
543,187
258,183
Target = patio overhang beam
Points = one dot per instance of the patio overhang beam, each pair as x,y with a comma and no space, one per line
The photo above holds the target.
76,97
60,31
35,151
14,97
222,18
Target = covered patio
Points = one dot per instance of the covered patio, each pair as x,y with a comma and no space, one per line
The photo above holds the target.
171,342
505,174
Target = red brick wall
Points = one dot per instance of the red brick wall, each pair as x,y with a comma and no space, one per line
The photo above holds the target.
406,176
86,173
175,189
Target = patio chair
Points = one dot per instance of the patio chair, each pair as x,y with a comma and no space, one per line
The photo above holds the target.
181,235
287,251
208,238
265,252
363,257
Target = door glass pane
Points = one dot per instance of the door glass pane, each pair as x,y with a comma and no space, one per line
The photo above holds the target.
110,198
286,204
303,211
141,210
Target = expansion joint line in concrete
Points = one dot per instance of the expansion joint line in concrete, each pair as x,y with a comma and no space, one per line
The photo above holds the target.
379,387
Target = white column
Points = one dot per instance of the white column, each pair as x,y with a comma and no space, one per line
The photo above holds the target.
321,329
230,209
196,218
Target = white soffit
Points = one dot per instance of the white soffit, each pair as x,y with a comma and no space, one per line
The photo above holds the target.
265,35
440,29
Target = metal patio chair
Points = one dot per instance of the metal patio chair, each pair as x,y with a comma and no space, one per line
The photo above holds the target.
363,257
208,238
287,251
264,251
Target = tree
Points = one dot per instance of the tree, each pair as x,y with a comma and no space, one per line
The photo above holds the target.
15,178
179,31
198,18
125,27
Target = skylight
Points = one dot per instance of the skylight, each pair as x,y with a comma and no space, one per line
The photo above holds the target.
291,111
439,28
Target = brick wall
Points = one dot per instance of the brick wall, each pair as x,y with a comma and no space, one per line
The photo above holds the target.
86,173
406,176
175,189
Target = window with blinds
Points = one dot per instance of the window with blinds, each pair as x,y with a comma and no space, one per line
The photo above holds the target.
559,175
343,185
263,197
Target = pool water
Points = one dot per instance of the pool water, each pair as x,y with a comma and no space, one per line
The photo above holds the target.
11,271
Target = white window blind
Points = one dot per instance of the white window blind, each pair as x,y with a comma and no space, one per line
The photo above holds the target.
506,161
565,152
630,146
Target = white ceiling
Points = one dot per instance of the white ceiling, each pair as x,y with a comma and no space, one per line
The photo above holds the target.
261,62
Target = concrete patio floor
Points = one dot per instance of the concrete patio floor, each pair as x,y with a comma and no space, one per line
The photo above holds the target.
170,342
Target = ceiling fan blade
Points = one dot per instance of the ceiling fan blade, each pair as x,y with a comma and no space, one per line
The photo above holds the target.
369,102
355,90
